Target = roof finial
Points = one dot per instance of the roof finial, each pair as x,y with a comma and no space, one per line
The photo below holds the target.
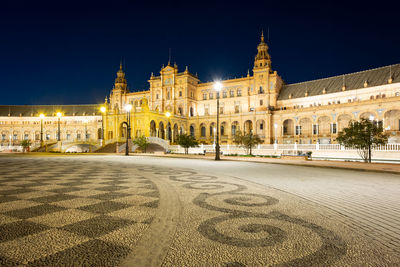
248,73
169,57
262,35
390,80
120,64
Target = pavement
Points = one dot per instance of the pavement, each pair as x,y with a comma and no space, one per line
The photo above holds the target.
152,211
349,165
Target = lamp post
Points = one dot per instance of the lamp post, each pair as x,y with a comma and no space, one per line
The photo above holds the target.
41,129
103,112
217,87
276,126
58,123
128,108
86,122
168,114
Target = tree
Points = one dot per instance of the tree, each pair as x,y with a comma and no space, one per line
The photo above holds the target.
362,135
141,142
26,144
186,141
247,141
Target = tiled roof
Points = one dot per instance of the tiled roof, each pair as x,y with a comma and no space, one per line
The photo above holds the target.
50,110
374,77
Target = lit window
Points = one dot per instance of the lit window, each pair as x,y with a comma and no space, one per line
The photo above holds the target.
232,93
211,95
205,96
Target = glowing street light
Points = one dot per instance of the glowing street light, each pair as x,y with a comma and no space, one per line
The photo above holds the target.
128,108
103,112
41,128
86,122
59,115
217,87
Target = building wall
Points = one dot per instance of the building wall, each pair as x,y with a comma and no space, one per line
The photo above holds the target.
73,128
249,103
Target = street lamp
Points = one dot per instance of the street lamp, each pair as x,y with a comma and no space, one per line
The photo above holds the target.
41,129
128,108
103,112
86,122
168,114
217,87
59,133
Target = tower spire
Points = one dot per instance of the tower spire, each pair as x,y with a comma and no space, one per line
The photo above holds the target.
262,58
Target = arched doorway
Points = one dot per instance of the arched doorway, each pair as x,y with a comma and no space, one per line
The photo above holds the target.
192,130
153,131
161,132
248,126
176,132
169,132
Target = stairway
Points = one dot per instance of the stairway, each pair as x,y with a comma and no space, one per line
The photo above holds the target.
110,148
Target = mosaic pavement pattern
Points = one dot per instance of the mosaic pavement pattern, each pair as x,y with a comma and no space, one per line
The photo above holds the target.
55,212
120,211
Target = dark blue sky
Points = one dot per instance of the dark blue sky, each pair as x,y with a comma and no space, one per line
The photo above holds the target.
68,53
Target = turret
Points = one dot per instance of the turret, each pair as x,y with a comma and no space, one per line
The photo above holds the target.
262,59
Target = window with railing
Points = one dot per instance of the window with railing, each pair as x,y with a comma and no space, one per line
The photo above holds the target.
205,96
333,128
298,129
231,93
315,129
239,92
224,94
211,96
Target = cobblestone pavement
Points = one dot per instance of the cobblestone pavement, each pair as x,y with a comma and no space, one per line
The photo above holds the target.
133,211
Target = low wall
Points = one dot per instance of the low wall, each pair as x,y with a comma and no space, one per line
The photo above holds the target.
379,155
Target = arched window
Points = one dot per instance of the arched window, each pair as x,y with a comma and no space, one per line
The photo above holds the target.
233,130
222,130
203,131
192,130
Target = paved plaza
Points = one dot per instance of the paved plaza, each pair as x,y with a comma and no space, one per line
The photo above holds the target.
148,211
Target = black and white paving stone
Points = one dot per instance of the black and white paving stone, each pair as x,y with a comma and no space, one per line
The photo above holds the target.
142,211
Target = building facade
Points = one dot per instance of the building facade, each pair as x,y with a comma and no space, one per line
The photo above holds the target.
304,113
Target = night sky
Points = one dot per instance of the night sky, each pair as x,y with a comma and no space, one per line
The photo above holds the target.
68,53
